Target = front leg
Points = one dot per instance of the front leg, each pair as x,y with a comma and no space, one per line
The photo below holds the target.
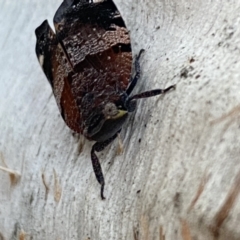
151,93
134,80
97,147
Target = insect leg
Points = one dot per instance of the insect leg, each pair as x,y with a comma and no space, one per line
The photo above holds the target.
134,80
151,93
98,147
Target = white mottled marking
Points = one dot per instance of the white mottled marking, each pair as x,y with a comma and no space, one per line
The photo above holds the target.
96,1
41,60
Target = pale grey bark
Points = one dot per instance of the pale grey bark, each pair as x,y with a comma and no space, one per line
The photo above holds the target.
178,177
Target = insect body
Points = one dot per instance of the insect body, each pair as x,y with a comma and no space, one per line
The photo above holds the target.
88,63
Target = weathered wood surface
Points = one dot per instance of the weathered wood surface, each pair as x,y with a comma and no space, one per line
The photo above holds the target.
179,175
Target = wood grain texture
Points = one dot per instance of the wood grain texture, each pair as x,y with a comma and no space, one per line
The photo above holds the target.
171,143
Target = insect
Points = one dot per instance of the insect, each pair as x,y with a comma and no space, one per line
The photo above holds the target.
88,63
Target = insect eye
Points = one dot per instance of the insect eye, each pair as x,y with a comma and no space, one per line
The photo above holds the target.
110,109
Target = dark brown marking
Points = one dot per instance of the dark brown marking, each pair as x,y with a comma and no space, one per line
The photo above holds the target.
232,114
161,233
227,206
45,185
186,234
199,191
57,187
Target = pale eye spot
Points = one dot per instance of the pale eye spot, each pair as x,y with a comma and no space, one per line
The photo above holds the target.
109,58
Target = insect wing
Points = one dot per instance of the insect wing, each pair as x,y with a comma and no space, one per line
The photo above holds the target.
59,73
97,43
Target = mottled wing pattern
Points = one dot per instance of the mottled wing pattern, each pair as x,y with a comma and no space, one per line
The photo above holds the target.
57,70
97,43
88,62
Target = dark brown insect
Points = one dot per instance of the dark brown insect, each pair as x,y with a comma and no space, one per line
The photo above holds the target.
88,63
